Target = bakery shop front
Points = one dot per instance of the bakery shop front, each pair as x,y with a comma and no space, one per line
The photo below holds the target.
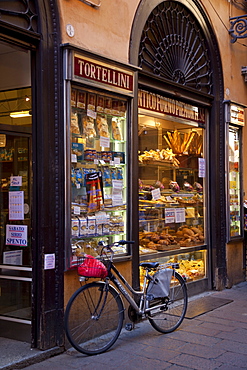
172,183
99,99
181,140
152,138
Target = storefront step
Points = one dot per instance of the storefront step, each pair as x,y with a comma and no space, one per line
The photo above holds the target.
17,355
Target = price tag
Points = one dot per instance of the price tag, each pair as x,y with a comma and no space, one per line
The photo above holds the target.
156,194
77,210
104,142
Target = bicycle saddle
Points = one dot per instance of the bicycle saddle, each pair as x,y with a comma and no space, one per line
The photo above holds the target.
149,265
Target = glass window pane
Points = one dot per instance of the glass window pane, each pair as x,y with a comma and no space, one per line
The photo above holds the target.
234,182
171,190
98,170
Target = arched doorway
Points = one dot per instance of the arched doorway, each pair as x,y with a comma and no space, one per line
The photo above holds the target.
174,44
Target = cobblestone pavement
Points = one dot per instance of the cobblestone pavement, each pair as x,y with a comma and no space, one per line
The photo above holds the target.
214,340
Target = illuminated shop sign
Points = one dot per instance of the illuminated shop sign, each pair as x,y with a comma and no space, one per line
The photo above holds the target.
236,115
85,68
157,103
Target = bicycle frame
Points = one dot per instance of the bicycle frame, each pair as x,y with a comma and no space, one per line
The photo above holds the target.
142,309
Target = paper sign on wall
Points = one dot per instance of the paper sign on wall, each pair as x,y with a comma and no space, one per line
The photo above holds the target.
169,215
13,257
180,215
201,167
16,235
117,192
49,262
16,205
15,180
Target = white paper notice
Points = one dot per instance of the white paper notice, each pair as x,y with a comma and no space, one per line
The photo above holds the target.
117,193
169,215
101,218
15,180
91,113
104,141
117,185
156,194
73,158
13,257
180,215
16,235
201,167
77,210
16,205
49,262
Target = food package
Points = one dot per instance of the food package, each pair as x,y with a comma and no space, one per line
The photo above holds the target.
74,124
88,127
187,186
116,132
107,181
77,151
102,126
74,226
94,189
174,186
82,226
198,187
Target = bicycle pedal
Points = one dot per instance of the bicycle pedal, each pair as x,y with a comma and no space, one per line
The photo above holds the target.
129,327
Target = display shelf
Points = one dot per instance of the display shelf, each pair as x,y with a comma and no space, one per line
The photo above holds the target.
158,254
98,167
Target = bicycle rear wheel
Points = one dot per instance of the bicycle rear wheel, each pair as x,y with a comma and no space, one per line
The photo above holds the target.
94,318
172,309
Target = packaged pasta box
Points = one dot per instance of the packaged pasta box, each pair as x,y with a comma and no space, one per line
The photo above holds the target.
74,226
91,225
83,230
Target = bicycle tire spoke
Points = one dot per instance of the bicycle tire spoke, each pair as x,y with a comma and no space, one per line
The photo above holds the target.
94,318
171,310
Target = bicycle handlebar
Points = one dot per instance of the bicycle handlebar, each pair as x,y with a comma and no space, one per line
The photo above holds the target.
123,242
109,246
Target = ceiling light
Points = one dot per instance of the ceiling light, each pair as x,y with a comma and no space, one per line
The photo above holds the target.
23,113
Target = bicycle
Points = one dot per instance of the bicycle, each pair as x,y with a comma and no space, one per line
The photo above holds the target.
94,315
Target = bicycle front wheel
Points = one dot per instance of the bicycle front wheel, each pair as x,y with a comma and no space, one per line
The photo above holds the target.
168,312
94,318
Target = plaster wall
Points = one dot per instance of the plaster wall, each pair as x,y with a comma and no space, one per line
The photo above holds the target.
107,31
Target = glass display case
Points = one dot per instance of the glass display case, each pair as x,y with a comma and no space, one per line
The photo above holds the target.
235,120
172,212
98,171
192,265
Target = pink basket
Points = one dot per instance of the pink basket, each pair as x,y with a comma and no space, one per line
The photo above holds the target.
91,267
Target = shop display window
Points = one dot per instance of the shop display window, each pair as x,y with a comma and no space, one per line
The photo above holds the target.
234,182
191,264
171,189
98,171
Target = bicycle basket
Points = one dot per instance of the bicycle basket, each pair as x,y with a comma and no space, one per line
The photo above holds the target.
91,267
159,286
